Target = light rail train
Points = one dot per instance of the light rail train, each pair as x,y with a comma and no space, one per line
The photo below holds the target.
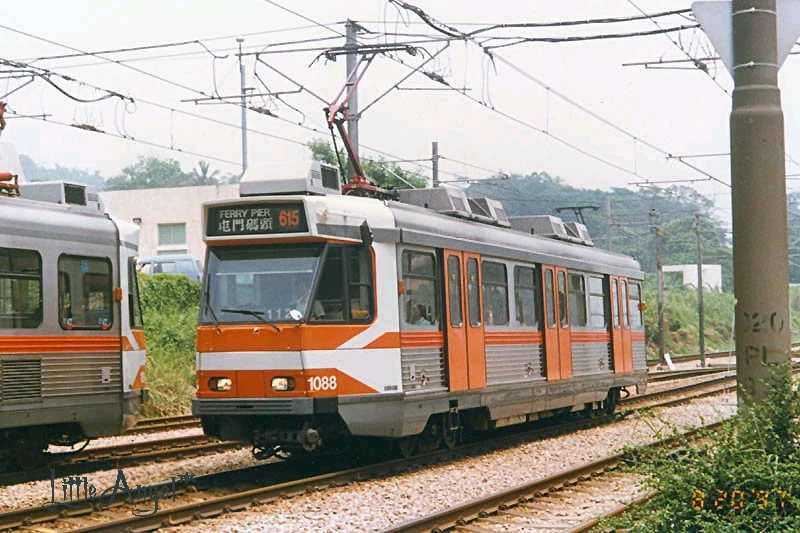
327,316
72,349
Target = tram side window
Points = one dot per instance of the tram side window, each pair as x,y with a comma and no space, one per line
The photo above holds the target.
134,305
562,299
359,274
20,288
614,303
625,318
550,301
597,303
454,271
419,278
635,305
495,293
525,296
577,299
84,292
473,293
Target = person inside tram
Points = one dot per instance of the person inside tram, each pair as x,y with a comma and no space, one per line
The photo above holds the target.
303,292
418,315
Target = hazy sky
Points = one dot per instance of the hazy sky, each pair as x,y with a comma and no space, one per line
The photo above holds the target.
625,120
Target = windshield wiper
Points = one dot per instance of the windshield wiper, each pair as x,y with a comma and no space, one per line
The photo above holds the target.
251,312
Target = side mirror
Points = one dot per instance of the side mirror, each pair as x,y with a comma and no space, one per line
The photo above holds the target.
366,234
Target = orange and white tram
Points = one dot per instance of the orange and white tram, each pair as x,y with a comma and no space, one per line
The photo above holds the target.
326,316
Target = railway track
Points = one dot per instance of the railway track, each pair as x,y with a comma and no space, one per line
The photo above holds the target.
170,423
199,497
123,455
574,500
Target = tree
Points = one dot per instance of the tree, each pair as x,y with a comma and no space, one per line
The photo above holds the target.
380,172
150,173
34,173
202,176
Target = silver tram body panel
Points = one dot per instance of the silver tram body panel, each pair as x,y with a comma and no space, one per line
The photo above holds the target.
46,378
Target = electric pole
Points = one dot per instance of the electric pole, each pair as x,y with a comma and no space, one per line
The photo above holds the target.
656,218
609,225
435,162
758,191
352,103
700,311
240,40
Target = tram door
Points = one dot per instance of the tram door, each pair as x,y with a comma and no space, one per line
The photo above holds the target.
466,356
621,325
558,351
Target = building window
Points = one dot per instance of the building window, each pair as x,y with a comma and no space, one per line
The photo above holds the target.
171,238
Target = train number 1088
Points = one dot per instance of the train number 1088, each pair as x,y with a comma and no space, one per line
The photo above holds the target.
318,383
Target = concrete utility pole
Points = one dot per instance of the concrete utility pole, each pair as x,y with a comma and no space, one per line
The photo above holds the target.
240,40
435,162
700,311
610,224
352,103
660,273
758,189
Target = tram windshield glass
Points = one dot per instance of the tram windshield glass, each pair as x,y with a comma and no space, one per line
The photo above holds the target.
267,281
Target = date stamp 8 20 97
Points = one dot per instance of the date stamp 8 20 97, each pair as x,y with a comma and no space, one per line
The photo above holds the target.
736,500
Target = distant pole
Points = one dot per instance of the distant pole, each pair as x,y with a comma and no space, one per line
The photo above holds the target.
435,162
352,103
660,273
240,40
758,191
700,311
610,224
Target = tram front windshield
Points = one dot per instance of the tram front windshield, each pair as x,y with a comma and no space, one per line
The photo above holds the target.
267,283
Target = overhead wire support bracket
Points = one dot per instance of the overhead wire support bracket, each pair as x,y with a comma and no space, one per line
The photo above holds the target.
371,49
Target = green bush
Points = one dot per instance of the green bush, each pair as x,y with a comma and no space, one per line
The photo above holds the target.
745,477
170,307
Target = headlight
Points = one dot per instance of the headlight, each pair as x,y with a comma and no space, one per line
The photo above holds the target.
220,384
282,383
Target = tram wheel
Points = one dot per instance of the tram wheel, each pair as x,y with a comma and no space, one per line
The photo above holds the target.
29,451
450,439
407,446
430,439
611,401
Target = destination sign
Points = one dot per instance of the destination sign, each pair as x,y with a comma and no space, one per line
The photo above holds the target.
256,219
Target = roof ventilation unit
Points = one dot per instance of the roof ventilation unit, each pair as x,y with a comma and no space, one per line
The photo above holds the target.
444,200
489,211
59,192
580,232
320,180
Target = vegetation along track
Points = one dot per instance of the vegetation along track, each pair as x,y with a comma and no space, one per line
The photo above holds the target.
263,483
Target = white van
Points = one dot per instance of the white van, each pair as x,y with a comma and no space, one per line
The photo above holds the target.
185,264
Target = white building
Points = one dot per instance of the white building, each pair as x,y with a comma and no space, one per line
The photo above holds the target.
712,275
170,218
